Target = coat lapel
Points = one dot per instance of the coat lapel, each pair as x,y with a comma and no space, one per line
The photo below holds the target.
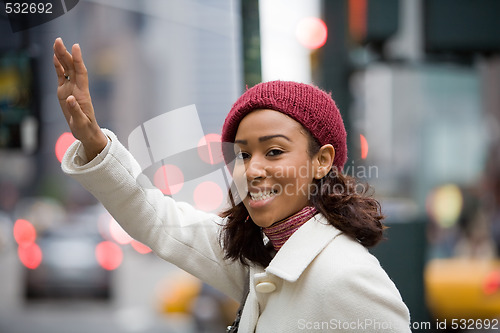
289,263
301,248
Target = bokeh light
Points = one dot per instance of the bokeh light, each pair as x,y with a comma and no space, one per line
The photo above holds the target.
24,232
109,255
445,204
117,233
357,19
311,32
210,149
364,146
103,225
169,179
208,196
62,144
139,247
492,283
30,255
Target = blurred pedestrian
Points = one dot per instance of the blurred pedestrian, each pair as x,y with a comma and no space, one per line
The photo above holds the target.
292,245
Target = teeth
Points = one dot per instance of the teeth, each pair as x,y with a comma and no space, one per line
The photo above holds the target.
262,195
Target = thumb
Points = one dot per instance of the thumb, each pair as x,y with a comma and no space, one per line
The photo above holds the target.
75,110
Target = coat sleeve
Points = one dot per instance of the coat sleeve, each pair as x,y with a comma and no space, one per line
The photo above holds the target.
175,231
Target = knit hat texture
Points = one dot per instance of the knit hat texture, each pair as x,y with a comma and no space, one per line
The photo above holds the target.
310,106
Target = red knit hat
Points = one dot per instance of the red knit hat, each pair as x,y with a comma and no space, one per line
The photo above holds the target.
309,105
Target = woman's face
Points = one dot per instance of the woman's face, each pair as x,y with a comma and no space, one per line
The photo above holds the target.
273,169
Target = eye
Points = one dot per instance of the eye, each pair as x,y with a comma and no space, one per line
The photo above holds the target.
242,155
275,152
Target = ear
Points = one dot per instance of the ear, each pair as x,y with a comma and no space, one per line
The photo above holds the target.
323,160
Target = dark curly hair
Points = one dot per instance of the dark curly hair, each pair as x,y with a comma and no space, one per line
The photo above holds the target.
346,203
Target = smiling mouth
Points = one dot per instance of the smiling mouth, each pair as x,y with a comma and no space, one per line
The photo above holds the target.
259,196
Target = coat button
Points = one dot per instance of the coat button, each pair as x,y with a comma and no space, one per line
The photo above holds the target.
265,287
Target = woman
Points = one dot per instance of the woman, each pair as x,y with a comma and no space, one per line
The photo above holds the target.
296,231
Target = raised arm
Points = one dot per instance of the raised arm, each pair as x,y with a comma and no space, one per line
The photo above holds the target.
176,232
74,98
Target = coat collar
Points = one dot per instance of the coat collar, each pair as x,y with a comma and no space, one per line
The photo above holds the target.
301,248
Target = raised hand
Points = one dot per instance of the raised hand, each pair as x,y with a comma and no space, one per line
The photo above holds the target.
74,98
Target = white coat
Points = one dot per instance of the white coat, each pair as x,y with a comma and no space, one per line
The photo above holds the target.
319,281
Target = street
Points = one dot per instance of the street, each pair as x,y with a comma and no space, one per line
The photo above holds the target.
136,289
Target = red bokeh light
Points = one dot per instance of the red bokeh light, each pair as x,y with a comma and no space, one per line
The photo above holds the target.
208,196
492,283
169,179
209,148
30,255
63,143
103,225
357,19
139,247
109,255
311,32
364,146
119,235
24,232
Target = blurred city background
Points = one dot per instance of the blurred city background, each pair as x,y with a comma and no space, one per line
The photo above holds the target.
417,83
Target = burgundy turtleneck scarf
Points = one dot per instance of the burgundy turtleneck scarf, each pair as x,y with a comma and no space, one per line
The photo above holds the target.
279,232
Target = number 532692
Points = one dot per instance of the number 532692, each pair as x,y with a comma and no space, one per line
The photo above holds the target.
28,8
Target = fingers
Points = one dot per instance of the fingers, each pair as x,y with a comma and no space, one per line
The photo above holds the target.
78,59
73,93
79,66
75,111
64,57
59,71
70,64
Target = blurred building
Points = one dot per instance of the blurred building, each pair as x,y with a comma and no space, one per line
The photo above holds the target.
416,81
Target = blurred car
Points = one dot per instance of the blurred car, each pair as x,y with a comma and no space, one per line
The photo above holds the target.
69,265
210,310
463,288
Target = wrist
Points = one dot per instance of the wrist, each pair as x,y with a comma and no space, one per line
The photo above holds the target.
95,145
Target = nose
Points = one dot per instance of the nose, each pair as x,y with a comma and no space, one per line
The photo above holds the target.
255,169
